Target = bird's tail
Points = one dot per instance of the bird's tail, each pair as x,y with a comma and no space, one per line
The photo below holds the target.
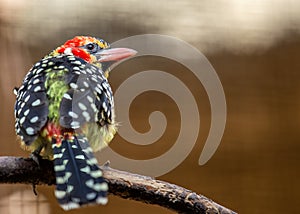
79,180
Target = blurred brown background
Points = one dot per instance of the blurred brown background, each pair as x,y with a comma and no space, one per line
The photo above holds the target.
255,50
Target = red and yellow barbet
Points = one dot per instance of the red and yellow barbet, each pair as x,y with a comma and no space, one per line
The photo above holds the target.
65,112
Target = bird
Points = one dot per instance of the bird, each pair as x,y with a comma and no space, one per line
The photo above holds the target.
64,112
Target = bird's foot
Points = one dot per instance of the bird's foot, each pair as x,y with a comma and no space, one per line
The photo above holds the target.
35,155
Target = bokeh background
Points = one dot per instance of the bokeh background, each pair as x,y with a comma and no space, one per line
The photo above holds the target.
254,47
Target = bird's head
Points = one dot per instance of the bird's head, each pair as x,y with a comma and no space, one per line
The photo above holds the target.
95,51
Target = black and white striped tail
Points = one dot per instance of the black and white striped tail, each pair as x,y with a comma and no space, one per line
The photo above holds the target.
79,180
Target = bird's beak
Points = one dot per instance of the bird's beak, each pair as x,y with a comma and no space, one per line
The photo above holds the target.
114,54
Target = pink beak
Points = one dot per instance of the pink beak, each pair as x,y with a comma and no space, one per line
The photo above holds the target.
114,54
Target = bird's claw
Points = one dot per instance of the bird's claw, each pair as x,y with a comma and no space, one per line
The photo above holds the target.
36,158
35,155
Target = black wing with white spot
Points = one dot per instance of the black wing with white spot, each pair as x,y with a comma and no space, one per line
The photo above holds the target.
89,98
31,107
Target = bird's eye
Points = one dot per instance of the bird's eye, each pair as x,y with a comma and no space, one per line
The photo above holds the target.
92,47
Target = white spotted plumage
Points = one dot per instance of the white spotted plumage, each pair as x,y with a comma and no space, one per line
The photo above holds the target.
82,106
73,85
36,102
34,119
36,89
86,116
29,130
65,94
73,114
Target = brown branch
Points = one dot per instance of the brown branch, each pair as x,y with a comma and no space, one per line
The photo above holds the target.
123,184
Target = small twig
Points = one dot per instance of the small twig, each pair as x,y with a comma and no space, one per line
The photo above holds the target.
124,184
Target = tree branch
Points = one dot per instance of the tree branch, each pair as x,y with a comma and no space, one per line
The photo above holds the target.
123,184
